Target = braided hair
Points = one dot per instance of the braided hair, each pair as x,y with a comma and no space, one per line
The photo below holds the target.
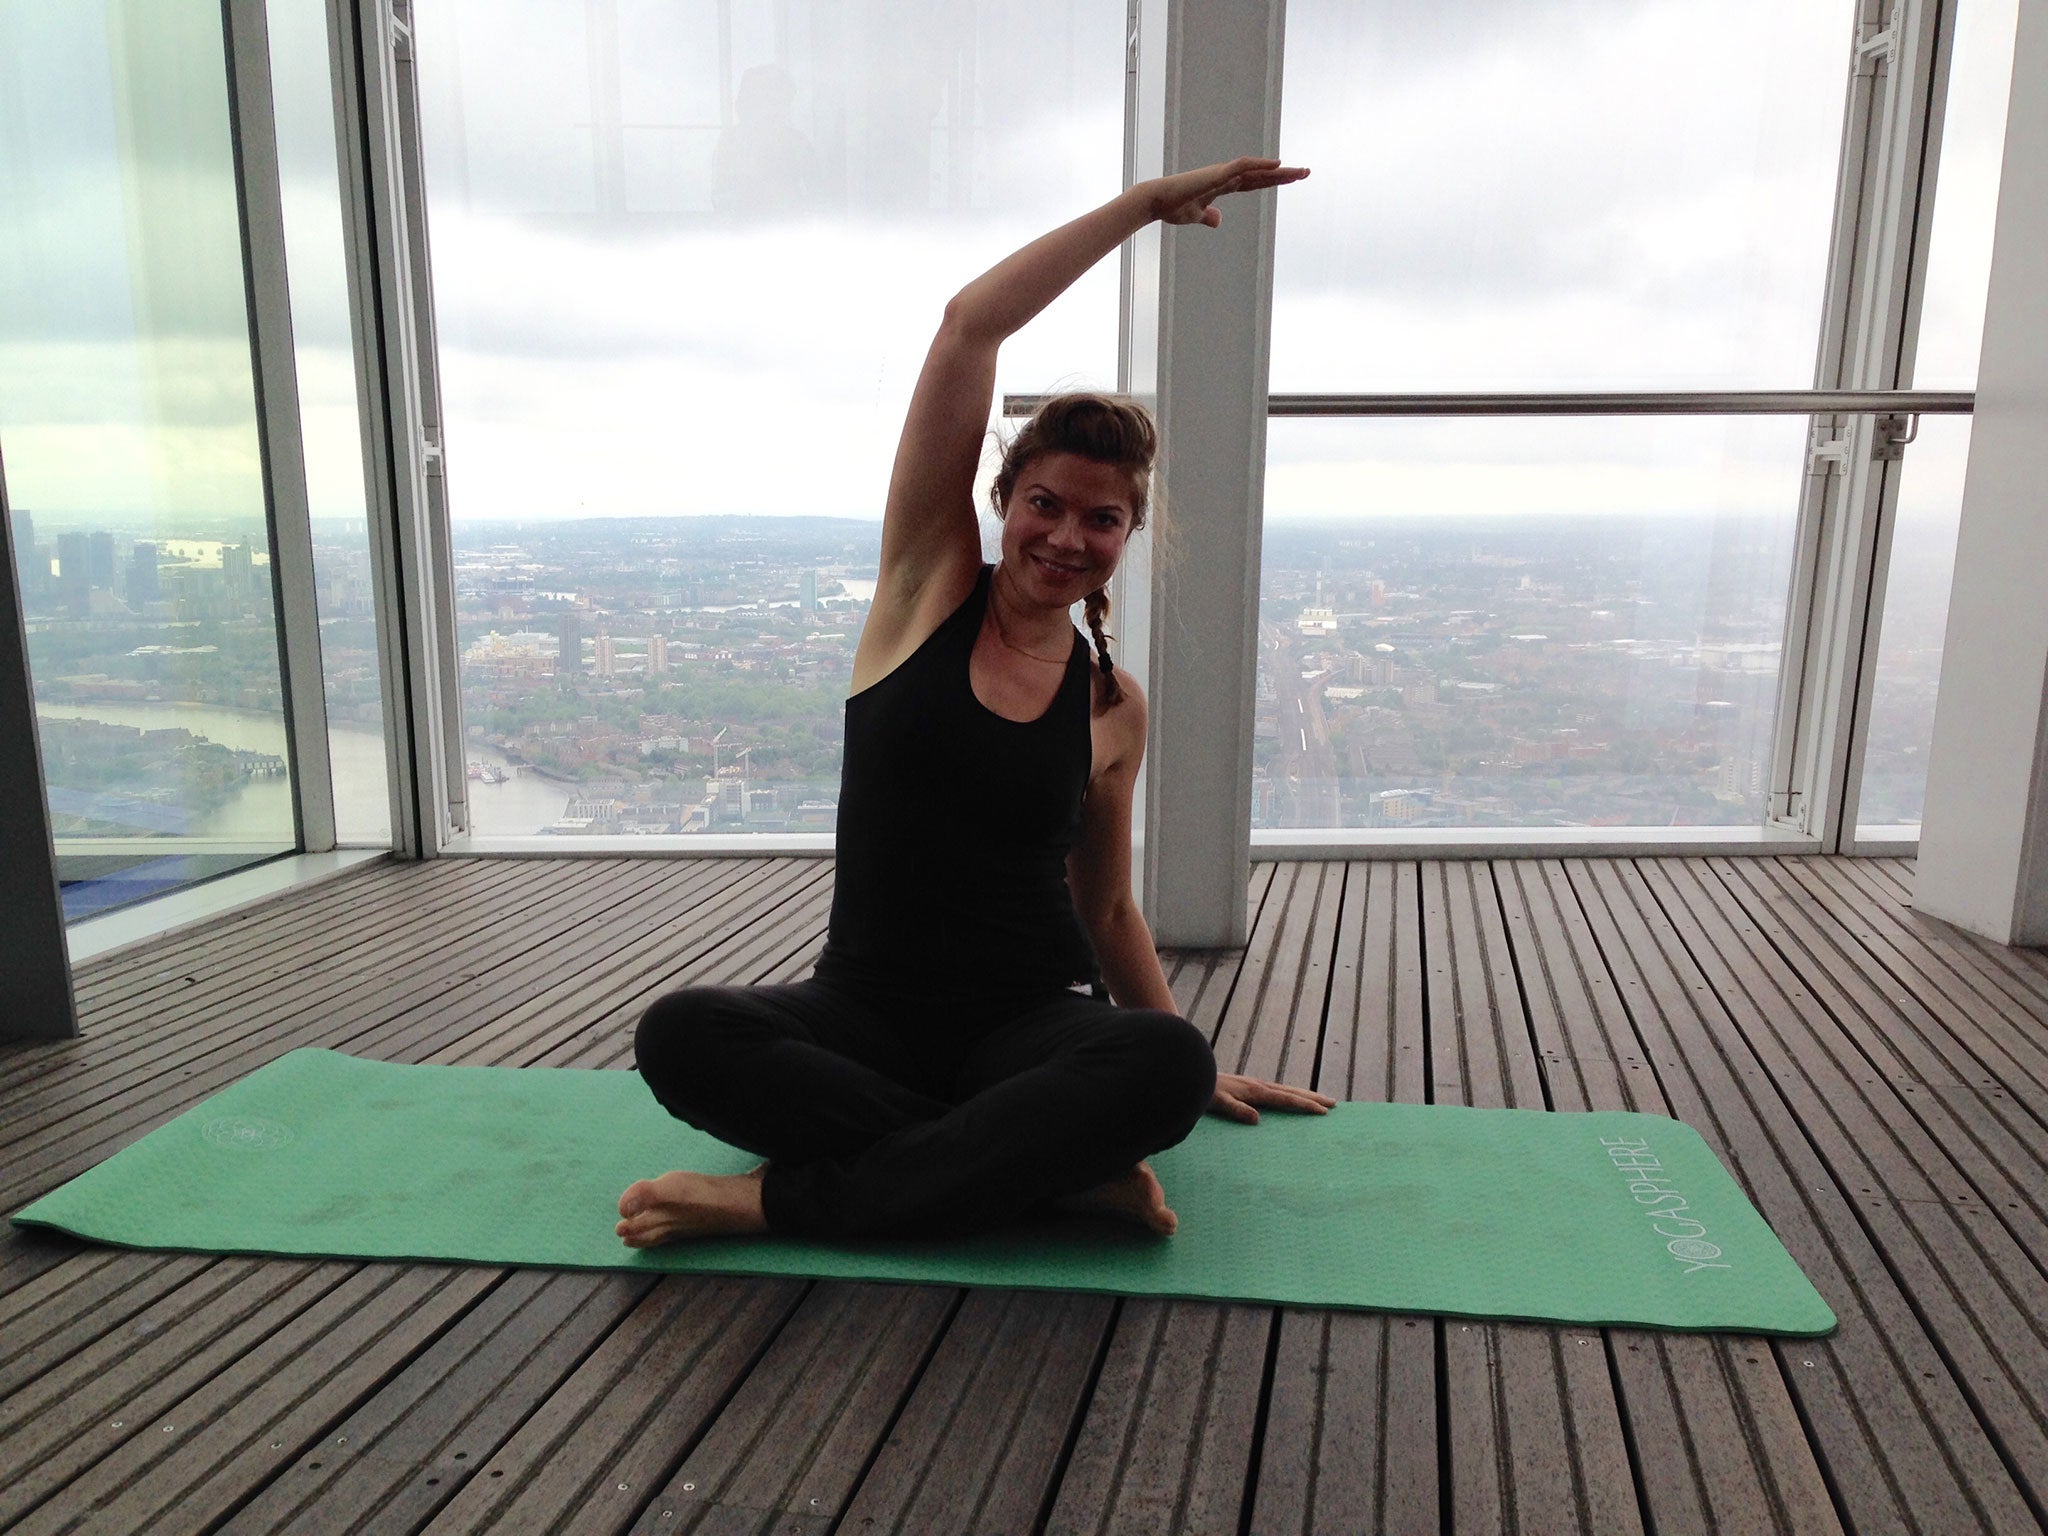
1110,429
1108,692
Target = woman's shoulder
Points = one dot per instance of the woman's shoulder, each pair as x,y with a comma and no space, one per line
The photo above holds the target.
1121,726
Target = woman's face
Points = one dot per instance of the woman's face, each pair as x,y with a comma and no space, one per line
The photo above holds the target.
1065,527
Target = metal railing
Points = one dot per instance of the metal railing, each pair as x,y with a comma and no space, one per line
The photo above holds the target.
1769,402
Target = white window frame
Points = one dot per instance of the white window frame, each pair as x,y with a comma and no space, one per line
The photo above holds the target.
398,384
1204,80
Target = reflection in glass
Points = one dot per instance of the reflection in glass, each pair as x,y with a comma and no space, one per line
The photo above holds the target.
1966,197
127,411
1923,552
1522,623
1557,196
1922,566
687,260
329,419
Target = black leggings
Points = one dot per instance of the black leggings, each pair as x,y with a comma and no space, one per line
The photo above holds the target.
902,1116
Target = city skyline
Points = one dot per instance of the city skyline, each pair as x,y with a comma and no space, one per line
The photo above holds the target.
1413,672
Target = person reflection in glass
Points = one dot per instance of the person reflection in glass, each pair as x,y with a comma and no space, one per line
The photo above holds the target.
763,163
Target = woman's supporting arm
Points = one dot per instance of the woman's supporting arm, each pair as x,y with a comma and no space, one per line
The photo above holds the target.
1099,873
1099,868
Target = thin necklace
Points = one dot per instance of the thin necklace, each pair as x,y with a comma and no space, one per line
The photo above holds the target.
996,617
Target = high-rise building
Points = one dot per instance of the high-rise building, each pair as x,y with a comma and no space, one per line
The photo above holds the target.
143,586
606,663
657,655
807,593
569,661
74,572
101,556
30,560
237,568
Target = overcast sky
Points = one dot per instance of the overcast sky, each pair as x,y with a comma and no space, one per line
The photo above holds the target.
642,312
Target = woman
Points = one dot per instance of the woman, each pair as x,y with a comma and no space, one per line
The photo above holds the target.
939,1072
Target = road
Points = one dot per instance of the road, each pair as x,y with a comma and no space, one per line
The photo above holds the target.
1306,767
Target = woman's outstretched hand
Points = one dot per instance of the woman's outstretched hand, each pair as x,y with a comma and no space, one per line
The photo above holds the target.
1190,197
1241,1098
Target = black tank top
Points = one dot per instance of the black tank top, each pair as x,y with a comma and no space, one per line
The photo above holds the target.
954,829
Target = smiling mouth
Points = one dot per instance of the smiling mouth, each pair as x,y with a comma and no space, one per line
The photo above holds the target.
1058,569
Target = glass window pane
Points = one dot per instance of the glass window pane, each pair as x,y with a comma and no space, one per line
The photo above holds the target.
1522,623
1591,196
1923,553
1923,559
687,261
330,420
127,413
1966,196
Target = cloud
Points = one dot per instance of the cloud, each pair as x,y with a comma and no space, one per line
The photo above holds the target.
1592,194
1563,195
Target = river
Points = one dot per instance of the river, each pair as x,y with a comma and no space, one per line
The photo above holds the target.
261,809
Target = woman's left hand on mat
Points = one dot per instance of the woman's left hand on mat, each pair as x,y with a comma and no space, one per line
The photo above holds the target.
1241,1098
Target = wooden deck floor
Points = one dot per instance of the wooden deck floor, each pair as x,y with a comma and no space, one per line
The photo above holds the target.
1878,1083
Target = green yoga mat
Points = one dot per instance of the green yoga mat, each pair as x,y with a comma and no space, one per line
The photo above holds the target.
1581,1218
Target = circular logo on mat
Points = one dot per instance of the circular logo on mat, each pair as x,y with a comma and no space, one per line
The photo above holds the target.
246,1133
1692,1248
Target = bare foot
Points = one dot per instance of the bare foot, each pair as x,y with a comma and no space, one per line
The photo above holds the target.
1134,1196
683,1205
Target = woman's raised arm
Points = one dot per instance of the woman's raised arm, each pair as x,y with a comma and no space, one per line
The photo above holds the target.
931,542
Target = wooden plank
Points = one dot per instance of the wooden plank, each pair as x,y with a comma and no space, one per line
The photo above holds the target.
1535,1440
632,1409
62,1311
420,1439
330,911
121,1387
187,996
202,1021
410,1447
1351,1426
188,1006
2027,968
1978,1067
507,1373
790,1448
107,978
685,921
1896,873
275,1402
981,1443
794,915
49,1154
1936,1210
224,1358
160,1025
1719,1445
2017,976
1986,1035
1375,1044
27,1255
1891,1428
1169,1439
1166,1441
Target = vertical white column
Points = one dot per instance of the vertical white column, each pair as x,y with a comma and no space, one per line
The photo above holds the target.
1984,841
1217,69
275,367
410,558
